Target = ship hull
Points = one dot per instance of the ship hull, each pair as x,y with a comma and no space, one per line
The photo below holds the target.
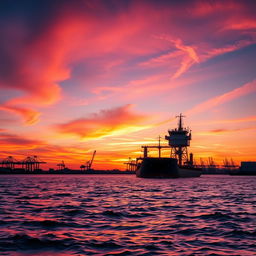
246,168
243,173
164,168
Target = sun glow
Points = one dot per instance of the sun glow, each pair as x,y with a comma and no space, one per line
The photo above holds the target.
112,78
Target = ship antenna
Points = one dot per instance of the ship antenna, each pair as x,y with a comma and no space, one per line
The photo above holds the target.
180,126
159,146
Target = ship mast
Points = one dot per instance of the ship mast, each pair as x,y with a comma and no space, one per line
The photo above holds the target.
180,128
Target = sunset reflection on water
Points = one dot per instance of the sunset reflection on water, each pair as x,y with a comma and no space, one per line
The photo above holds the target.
124,215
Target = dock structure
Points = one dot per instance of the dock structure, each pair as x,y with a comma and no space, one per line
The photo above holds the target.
131,165
29,164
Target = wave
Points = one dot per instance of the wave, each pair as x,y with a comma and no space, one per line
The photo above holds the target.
22,241
241,233
62,194
49,224
216,216
71,218
74,212
120,253
110,244
112,214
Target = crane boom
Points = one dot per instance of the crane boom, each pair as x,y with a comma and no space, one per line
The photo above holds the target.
90,164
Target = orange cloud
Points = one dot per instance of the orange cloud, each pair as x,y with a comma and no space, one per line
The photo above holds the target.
115,121
226,97
13,142
220,131
20,147
30,116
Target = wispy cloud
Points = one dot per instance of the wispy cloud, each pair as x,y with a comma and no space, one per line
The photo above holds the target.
30,116
189,59
13,142
36,69
187,53
226,97
224,131
232,121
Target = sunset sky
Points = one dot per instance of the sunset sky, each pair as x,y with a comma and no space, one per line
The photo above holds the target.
78,76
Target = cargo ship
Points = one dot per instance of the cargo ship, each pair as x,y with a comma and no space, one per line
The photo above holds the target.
178,165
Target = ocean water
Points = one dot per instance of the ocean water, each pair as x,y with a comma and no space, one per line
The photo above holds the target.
124,215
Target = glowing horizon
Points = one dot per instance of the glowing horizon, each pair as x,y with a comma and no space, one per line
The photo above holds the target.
112,75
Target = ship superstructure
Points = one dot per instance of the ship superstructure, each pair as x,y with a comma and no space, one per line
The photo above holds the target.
178,140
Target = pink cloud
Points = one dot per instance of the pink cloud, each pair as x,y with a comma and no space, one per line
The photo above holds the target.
73,35
246,24
229,48
206,8
190,57
239,120
226,97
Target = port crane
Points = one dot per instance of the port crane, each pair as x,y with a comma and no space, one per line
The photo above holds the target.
29,164
88,164
61,165
9,162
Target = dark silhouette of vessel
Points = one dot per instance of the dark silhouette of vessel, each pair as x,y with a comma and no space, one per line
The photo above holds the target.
178,165
246,168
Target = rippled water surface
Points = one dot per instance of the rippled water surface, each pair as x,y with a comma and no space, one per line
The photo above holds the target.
124,215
